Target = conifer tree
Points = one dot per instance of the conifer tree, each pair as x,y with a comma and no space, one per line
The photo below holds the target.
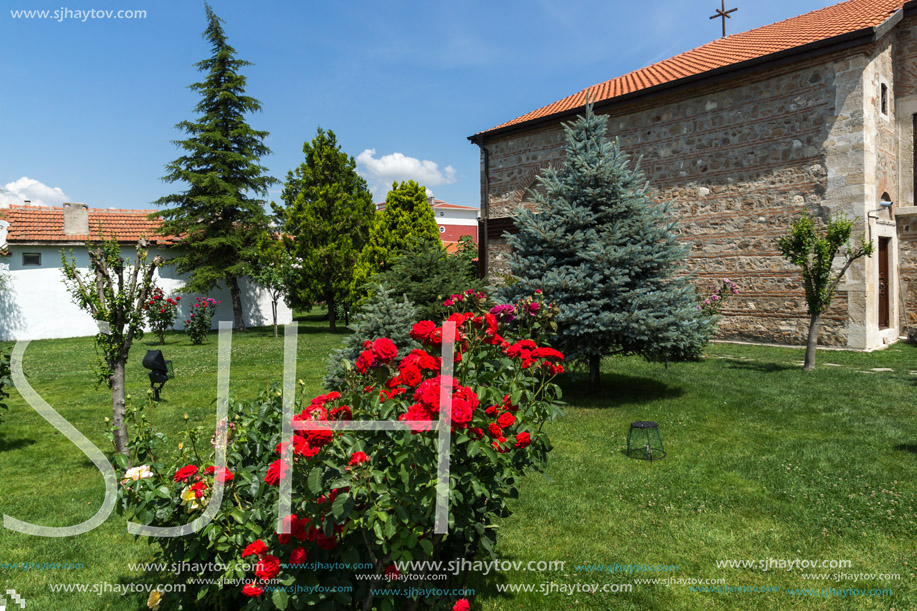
407,217
600,248
219,218
327,219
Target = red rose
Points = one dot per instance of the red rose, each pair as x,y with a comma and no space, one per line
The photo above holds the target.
224,476
358,458
392,572
364,361
462,605
476,433
506,420
422,330
324,542
267,567
298,556
198,488
341,413
523,440
411,376
384,349
258,548
547,353
495,429
275,472
252,591
319,437
184,473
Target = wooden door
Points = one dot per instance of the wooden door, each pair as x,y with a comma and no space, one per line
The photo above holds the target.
883,283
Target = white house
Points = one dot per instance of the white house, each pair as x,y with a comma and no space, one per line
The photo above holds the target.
35,303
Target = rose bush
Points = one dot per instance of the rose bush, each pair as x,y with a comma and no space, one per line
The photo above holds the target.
198,324
362,496
161,312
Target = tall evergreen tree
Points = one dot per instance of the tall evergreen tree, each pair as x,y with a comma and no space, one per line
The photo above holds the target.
407,217
219,217
327,217
607,255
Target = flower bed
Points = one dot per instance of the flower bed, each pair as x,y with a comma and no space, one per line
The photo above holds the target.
362,498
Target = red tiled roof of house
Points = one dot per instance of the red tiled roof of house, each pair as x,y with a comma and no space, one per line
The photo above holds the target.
820,25
46,224
438,203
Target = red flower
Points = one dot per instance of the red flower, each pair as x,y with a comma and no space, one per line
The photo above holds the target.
523,440
358,458
476,433
224,476
422,330
547,353
275,472
267,567
462,605
411,376
384,349
198,488
392,572
252,591
298,556
184,473
324,542
258,548
364,361
495,430
506,420
341,413
319,437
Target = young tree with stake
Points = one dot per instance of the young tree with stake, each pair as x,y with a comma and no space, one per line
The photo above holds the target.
814,254
114,293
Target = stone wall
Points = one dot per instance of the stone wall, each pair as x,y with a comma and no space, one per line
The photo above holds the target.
739,161
905,106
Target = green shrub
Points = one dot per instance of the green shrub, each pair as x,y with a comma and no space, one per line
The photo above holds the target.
382,315
5,380
359,497
426,274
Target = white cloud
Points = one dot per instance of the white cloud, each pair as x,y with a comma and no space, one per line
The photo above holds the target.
382,171
37,192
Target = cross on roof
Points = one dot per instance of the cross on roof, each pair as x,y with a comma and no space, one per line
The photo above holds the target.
722,13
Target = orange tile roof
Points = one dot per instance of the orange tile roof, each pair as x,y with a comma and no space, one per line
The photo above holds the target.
833,21
46,224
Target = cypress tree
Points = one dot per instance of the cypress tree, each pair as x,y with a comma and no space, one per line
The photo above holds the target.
219,218
327,217
598,246
406,219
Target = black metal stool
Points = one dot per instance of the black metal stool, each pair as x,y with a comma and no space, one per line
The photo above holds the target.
651,446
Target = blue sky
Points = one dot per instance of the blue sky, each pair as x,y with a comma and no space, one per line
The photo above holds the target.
88,108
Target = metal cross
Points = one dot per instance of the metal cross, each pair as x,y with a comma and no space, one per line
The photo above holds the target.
722,13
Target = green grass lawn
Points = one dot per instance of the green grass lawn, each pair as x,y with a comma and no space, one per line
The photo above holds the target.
764,461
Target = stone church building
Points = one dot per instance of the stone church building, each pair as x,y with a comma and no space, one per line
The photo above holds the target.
742,134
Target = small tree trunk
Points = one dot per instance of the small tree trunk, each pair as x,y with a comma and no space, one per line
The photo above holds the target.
812,343
236,294
332,313
595,373
117,405
274,312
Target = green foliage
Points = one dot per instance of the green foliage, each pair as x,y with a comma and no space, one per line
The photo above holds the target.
221,167
382,315
427,275
407,217
359,497
5,380
607,255
814,253
327,217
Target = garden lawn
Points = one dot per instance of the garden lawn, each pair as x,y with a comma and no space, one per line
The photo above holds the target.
764,461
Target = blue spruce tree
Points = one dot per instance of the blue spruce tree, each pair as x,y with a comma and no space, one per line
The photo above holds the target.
606,254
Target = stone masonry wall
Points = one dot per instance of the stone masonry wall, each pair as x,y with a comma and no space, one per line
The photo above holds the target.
739,161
